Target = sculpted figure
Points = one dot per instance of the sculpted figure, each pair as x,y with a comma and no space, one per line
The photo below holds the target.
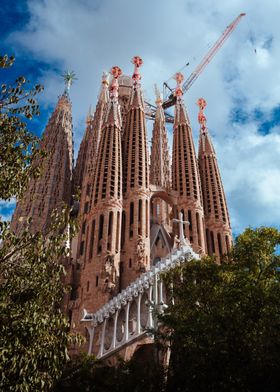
140,253
110,273
176,244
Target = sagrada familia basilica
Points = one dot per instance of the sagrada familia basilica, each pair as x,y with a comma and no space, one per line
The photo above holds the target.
139,211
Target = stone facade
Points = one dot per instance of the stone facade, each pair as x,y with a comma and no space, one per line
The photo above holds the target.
54,186
131,205
217,223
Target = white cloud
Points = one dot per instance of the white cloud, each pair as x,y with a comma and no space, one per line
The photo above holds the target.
90,36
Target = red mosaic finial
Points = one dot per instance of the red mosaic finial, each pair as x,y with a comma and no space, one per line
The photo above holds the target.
201,116
115,72
137,61
179,79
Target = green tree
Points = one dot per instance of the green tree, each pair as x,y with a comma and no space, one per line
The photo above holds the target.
18,146
86,374
223,321
34,334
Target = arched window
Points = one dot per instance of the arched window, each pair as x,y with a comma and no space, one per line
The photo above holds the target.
131,219
190,219
92,239
110,225
198,228
212,241
227,244
140,217
220,244
118,231
147,223
100,233
123,229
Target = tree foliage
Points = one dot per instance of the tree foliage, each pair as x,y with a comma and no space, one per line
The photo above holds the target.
34,334
88,374
18,146
223,321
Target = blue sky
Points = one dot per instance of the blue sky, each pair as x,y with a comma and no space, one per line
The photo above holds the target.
241,85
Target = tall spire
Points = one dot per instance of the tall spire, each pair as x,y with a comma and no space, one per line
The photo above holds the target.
181,115
53,187
136,218
88,148
218,231
185,174
99,237
160,165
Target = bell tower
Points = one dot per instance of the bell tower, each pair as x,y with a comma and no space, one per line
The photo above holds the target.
185,174
217,223
135,243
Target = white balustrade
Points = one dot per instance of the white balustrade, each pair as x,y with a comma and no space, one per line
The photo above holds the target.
150,286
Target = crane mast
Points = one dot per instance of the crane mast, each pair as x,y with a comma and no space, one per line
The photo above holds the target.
206,60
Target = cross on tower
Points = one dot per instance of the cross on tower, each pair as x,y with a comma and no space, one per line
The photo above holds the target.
181,222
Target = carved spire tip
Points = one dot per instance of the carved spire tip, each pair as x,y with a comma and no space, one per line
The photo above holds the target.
158,96
69,77
115,72
201,102
179,77
137,61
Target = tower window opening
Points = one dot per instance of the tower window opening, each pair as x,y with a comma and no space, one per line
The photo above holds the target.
227,244
220,244
96,281
92,239
88,286
131,219
212,241
86,207
118,231
110,225
130,263
157,209
100,233
198,228
208,242
140,217
123,229
190,219
82,244
147,223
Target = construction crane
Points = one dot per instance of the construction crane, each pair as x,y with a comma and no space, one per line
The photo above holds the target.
171,100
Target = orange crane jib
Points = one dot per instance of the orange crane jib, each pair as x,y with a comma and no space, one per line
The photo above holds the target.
206,60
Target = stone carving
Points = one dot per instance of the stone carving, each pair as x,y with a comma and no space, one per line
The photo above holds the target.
140,254
176,244
109,273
